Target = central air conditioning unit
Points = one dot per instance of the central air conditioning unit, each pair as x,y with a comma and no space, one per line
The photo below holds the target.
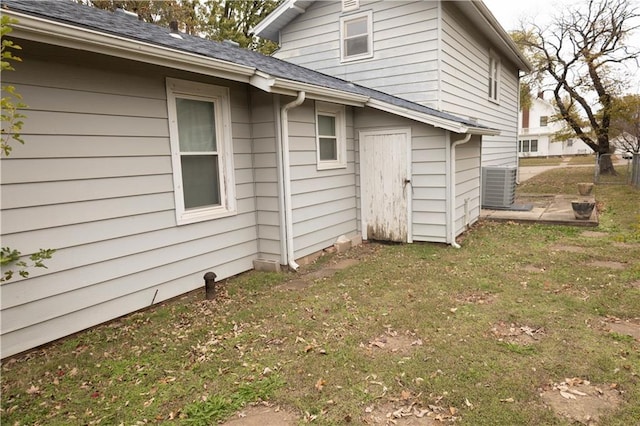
498,187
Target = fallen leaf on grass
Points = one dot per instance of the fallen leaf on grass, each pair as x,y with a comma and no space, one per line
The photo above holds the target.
508,400
320,384
33,390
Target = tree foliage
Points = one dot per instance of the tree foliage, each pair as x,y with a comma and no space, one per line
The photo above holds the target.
11,127
625,125
11,102
581,57
214,19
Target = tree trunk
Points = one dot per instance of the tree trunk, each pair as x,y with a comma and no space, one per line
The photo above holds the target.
606,164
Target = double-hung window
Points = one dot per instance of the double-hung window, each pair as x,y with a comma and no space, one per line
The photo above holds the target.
201,150
527,145
494,78
330,136
356,36
544,120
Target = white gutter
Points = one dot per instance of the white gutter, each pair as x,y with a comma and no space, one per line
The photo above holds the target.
286,176
452,190
433,120
277,85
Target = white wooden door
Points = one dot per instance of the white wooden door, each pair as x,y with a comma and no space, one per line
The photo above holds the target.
385,184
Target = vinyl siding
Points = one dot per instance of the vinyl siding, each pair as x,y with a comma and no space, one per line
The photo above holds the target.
428,165
323,201
94,181
425,52
467,184
265,162
403,33
465,71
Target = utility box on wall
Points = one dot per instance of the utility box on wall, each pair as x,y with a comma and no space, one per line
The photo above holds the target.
498,187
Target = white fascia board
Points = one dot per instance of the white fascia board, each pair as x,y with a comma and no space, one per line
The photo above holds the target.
270,26
50,32
500,33
439,122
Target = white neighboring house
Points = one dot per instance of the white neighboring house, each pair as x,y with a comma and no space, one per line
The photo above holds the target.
536,130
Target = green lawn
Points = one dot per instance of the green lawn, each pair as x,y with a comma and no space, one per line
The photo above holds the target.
539,161
425,326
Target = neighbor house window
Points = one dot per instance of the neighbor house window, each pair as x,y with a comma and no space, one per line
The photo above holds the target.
201,150
544,120
356,36
528,145
494,77
330,136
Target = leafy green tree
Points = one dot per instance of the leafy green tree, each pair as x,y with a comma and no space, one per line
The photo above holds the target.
11,102
625,124
214,19
233,20
581,55
11,259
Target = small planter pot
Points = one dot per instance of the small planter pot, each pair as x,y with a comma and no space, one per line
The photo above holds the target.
585,188
583,209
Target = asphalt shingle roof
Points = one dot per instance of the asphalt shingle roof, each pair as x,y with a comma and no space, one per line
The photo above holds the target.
69,12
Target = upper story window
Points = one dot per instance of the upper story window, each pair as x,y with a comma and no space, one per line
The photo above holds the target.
356,36
331,132
349,5
494,78
544,120
201,150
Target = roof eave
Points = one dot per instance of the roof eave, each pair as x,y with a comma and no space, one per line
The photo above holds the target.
57,33
270,26
508,44
439,122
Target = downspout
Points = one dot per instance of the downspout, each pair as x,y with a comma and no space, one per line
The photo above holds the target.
286,177
452,189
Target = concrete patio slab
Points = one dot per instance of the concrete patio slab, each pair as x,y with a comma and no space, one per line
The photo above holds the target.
548,209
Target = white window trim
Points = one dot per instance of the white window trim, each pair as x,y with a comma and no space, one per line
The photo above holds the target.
220,97
343,19
495,60
337,111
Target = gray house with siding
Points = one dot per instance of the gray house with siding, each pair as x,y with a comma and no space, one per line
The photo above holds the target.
152,157
449,55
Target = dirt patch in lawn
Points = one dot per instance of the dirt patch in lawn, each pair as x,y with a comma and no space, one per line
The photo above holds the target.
518,334
408,409
620,326
580,401
569,249
594,234
607,264
261,415
476,298
393,342
636,284
532,268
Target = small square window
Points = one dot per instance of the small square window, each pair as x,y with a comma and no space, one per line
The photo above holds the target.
201,148
356,36
544,120
494,78
330,136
